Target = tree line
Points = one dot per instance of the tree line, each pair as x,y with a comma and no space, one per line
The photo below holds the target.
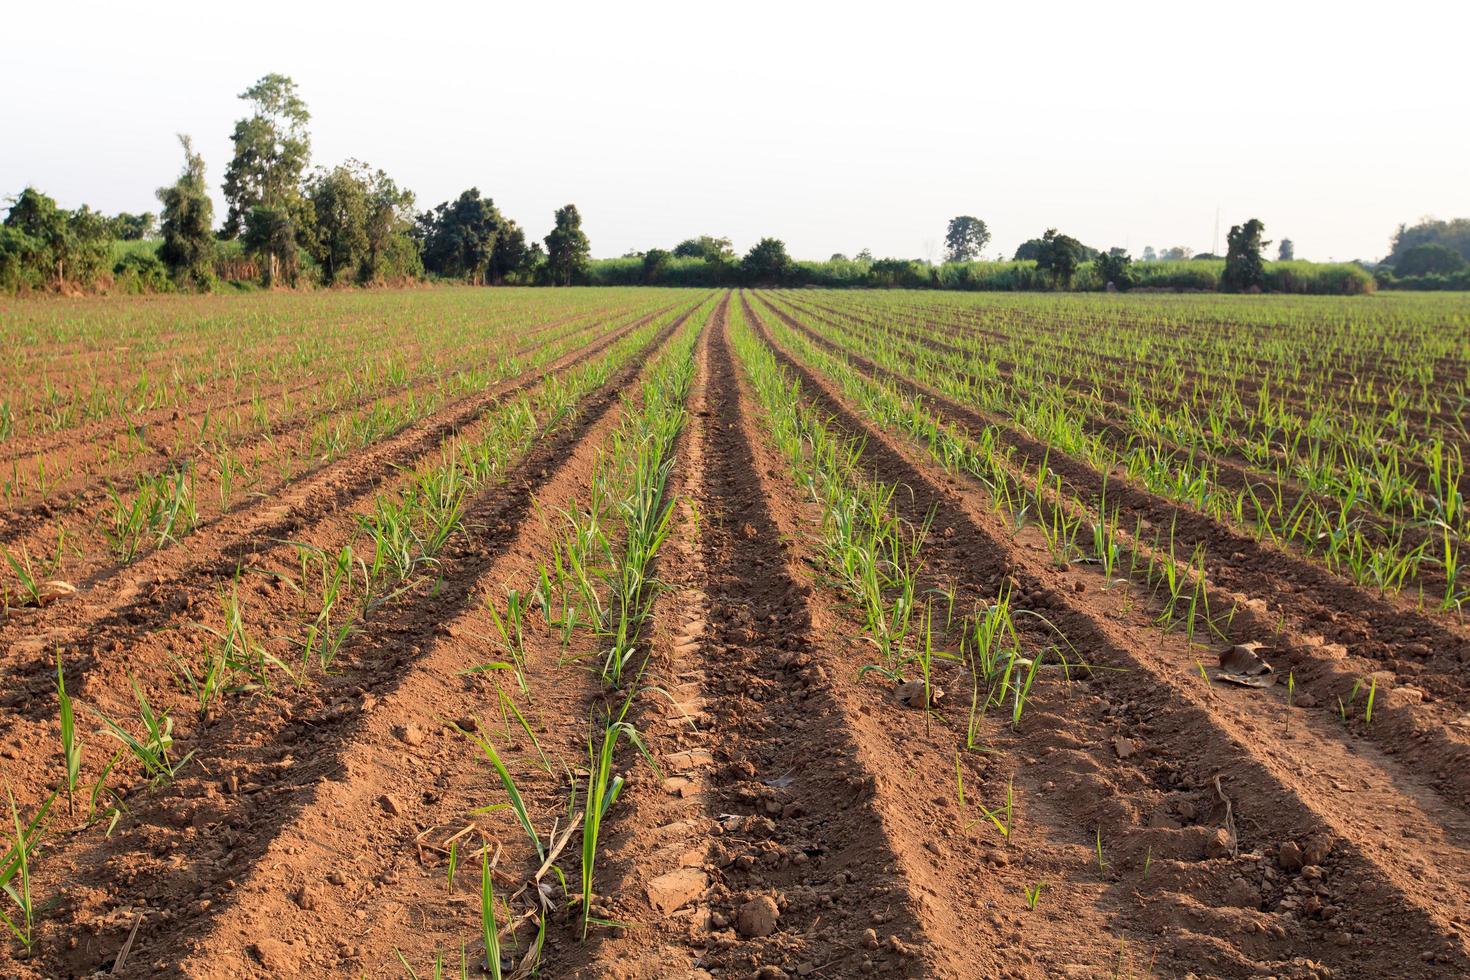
287,223
347,224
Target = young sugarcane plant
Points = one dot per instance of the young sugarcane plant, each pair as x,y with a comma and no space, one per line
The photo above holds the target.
603,789
152,748
489,927
15,871
71,748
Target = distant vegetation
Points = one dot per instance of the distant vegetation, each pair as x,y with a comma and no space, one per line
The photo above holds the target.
351,224
1429,255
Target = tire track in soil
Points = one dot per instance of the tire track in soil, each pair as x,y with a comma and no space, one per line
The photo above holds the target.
782,789
169,582
295,787
1395,867
1330,633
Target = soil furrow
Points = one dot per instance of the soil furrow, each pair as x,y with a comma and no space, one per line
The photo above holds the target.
39,524
132,595
1333,639
1278,795
290,785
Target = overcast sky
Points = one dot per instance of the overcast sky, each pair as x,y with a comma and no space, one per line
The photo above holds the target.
832,126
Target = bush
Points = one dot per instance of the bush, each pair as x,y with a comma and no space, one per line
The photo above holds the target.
140,271
1318,278
1186,275
1386,279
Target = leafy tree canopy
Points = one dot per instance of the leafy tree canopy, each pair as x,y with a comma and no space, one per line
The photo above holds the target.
48,244
567,248
1453,234
1115,266
459,236
132,227
1244,267
964,240
655,264
1430,259
1059,255
271,151
767,264
188,214
361,228
705,247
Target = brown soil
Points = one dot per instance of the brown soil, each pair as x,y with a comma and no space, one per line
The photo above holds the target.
802,821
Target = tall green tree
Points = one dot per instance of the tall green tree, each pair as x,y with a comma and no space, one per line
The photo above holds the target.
767,264
1115,266
459,237
49,245
966,237
567,249
512,258
1059,255
272,148
1286,251
1244,267
339,203
1430,259
271,235
655,265
132,227
1454,234
188,213
393,251
706,247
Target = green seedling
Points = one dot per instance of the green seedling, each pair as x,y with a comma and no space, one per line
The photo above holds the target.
488,924
517,803
15,871
1001,816
151,749
451,866
71,748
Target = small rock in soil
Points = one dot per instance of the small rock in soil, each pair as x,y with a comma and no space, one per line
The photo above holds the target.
911,694
1290,857
1242,894
1317,850
390,806
669,891
1124,747
273,955
1218,844
757,917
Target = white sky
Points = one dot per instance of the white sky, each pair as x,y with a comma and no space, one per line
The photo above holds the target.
832,126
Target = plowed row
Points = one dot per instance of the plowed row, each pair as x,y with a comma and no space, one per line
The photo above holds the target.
787,809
